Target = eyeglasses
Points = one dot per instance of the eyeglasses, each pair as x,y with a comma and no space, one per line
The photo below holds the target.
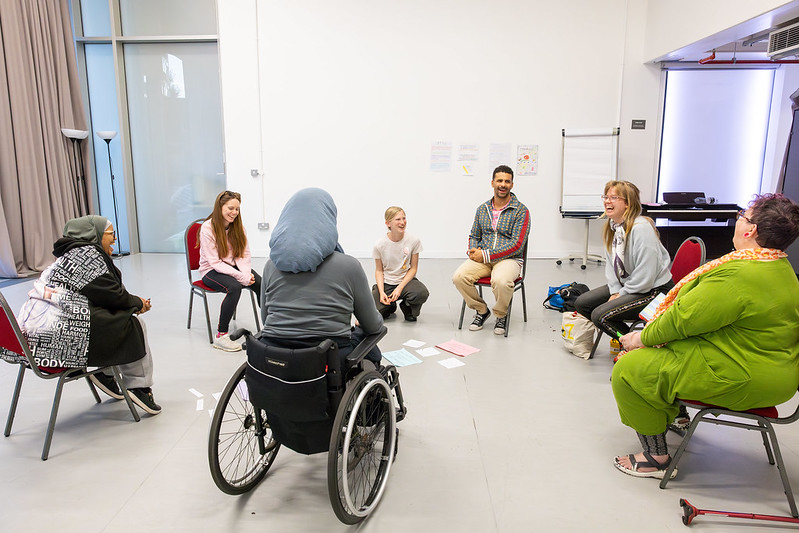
742,214
114,233
611,198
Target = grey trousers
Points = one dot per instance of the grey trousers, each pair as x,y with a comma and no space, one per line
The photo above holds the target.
138,374
414,294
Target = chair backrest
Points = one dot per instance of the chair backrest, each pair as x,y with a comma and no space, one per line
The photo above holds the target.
524,258
192,250
690,255
11,337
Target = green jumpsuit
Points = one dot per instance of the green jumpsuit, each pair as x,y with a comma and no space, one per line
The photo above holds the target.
731,339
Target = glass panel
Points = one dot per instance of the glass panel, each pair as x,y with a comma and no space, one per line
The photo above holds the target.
168,17
176,136
95,17
708,148
103,112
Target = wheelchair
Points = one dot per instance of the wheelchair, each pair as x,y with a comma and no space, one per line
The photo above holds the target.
303,399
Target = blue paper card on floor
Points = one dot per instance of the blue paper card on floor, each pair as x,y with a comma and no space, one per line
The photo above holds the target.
401,357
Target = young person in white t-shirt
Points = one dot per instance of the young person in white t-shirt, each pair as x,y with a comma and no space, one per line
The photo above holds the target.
396,257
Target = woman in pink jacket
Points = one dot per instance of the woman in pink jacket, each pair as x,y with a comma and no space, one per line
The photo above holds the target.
225,261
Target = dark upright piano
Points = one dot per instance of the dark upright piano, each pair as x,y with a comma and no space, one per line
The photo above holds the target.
713,223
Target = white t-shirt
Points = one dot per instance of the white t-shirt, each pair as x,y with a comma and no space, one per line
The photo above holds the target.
396,256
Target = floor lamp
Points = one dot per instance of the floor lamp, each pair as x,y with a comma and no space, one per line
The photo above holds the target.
107,136
76,136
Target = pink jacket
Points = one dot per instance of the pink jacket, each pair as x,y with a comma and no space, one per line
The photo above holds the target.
210,260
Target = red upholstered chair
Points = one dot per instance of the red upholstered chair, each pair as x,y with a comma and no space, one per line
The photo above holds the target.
761,419
690,255
14,345
199,288
517,285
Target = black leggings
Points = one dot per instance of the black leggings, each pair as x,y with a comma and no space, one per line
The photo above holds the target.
232,287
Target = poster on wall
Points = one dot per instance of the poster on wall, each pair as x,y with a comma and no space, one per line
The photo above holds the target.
441,156
498,154
468,155
527,160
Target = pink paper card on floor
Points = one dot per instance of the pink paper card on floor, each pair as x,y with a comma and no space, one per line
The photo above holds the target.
458,348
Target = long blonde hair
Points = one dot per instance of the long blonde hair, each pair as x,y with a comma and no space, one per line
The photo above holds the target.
630,194
238,239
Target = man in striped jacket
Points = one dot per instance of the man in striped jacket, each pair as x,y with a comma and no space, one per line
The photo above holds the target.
496,245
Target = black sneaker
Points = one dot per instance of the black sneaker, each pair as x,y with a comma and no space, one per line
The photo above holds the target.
477,323
406,312
499,327
144,398
107,384
388,311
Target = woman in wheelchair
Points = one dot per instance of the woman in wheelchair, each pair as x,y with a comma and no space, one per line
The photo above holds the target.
305,385
310,288
727,334
80,314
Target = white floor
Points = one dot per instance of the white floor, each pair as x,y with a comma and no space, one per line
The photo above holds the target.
519,439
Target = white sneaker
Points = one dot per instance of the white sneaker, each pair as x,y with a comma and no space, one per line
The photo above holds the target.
224,342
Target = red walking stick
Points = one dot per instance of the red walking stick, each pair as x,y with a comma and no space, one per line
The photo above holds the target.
690,512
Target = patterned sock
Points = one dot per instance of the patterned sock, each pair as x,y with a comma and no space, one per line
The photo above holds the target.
654,444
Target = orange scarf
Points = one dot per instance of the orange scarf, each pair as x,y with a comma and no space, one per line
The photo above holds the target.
756,254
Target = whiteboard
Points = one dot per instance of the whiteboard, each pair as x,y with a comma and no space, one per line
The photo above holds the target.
590,160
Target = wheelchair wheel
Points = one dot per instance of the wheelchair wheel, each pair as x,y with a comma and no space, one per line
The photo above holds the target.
241,447
361,447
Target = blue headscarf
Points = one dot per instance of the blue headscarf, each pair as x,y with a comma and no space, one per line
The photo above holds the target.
305,233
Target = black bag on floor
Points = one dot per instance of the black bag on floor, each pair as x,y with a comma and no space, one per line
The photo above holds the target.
562,298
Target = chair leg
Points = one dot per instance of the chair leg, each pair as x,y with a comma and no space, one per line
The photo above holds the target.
596,343
765,442
524,302
781,467
14,400
48,438
125,393
207,319
678,454
507,317
191,304
463,310
255,311
93,389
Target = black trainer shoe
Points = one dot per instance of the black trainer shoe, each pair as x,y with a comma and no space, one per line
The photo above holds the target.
499,327
406,312
144,398
107,384
477,323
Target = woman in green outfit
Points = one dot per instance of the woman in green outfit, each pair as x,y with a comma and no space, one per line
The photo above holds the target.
727,334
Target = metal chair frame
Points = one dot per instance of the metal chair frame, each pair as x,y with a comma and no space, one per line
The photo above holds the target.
518,284
761,420
12,339
198,288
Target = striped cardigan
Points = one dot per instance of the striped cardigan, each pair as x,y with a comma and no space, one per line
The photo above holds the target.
507,242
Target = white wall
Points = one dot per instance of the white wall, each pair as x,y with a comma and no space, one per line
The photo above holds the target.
350,95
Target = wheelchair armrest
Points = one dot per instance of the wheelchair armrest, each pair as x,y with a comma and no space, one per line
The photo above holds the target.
238,333
364,346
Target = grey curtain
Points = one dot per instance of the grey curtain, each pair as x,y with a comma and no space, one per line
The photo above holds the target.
39,95
794,106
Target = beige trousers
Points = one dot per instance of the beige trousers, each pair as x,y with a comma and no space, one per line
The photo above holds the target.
503,274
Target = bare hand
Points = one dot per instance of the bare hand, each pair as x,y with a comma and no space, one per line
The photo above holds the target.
384,299
394,295
252,279
145,305
613,296
632,340
475,254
